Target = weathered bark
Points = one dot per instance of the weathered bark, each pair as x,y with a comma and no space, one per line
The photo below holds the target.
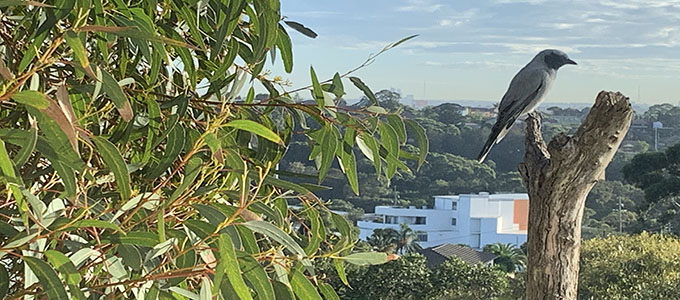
558,177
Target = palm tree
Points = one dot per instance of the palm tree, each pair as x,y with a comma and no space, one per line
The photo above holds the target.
407,240
383,240
510,257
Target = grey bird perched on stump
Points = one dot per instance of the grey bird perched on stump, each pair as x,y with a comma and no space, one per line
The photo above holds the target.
525,92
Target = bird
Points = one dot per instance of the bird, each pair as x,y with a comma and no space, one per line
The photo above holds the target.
527,89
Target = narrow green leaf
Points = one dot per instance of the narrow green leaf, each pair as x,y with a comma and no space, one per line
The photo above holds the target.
139,238
4,281
286,49
257,129
301,28
317,91
329,147
205,293
366,258
421,138
131,256
364,88
302,287
282,291
135,33
340,268
200,228
174,146
32,98
348,162
398,125
336,86
27,147
7,3
79,51
96,224
68,271
48,278
229,265
276,234
193,168
318,230
115,162
369,147
328,291
256,276
115,92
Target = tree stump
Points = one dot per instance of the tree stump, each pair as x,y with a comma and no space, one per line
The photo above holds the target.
558,177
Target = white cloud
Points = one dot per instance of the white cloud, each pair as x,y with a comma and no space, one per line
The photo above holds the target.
420,6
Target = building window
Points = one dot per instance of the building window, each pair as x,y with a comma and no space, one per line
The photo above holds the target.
453,221
390,220
454,205
422,237
420,220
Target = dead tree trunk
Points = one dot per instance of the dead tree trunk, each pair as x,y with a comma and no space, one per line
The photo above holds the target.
558,177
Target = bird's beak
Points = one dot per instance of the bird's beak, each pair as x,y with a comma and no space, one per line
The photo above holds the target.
571,62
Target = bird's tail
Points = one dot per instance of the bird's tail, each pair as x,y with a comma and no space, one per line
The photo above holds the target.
498,132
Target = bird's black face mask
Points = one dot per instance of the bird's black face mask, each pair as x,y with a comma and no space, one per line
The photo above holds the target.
555,61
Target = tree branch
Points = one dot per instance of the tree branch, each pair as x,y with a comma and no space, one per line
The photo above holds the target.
559,177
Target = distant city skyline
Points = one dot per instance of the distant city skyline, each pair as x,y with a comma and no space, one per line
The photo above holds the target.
471,49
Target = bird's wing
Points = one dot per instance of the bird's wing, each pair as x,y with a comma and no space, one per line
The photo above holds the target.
523,90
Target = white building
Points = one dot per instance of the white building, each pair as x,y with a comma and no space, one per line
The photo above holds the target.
475,220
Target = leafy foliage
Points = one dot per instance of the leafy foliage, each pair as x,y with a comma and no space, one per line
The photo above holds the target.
640,266
510,257
132,168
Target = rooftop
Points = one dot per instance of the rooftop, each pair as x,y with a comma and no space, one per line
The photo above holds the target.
439,254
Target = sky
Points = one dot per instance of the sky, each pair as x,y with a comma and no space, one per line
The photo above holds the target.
470,50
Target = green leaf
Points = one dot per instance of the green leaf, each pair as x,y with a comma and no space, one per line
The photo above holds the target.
27,147
257,129
256,276
68,271
229,265
301,28
302,287
318,231
348,162
32,98
115,92
135,33
329,147
336,86
369,147
327,291
114,160
7,3
193,168
200,228
362,86
286,49
366,258
96,224
131,256
174,146
282,291
48,278
139,238
276,234
317,91
421,138
340,268
79,51
398,125
4,281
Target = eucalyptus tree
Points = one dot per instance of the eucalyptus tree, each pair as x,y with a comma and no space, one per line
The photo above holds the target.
136,161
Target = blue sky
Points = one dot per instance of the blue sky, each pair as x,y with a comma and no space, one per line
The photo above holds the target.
471,49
